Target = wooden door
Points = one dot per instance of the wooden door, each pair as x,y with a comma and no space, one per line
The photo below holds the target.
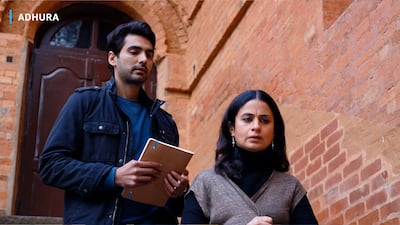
67,55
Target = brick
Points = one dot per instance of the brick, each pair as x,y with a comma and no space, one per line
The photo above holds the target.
394,189
6,80
332,194
370,218
333,181
394,221
378,181
371,169
316,205
3,198
337,220
311,144
315,192
300,165
334,138
337,162
390,208
354,212
338,206
329,129
313,167
319,176
331,153
5,162
317,151
322,216
376,200
349,184
297,155
334,9
11,74
352,166
3,202
359,193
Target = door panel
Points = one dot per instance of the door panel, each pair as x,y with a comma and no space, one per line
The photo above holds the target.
54,77
51,98
55,74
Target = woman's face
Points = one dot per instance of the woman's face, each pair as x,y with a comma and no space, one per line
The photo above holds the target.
254,126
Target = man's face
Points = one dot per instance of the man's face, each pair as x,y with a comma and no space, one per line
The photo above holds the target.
135,60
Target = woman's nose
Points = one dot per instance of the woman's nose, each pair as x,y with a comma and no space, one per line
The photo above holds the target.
256,124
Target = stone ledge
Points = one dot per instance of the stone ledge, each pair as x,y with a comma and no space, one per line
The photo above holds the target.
29,220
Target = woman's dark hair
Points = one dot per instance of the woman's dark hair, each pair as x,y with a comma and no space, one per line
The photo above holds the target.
116,38
277,158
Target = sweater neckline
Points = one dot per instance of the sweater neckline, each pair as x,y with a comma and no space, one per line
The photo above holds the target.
253,159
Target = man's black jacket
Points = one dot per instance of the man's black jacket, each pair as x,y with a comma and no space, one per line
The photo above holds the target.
88,139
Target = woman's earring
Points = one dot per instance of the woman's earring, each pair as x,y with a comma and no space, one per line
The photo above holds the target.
233,141
272,145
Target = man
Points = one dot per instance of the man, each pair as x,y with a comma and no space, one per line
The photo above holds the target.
93,148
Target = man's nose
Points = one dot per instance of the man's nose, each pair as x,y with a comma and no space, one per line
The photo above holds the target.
143,58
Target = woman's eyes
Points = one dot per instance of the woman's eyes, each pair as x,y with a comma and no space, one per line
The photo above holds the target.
250,119
247,119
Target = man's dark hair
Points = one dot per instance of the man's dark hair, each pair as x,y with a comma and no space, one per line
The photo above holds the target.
115,39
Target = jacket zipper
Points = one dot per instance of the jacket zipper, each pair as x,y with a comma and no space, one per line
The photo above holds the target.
125,155
152,108
155,103
126,141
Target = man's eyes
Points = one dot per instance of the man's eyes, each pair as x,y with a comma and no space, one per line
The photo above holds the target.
149,54
134,52
137,49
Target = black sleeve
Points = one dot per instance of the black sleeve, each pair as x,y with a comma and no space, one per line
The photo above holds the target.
303,213
192,212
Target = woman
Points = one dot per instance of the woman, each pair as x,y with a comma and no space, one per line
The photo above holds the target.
249,184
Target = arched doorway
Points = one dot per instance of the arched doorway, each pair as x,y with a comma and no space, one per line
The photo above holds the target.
65,56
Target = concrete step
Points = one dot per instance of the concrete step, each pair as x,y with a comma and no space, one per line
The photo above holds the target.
29,220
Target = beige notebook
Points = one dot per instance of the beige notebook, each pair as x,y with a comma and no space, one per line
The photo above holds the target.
172,158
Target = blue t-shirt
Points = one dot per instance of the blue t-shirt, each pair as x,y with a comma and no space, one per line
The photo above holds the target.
140,124
140,131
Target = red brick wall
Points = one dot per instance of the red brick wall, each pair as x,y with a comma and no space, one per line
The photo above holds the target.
332,9
10,81
345,189
348,70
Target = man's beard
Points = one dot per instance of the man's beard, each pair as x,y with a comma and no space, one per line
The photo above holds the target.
130,80
134,79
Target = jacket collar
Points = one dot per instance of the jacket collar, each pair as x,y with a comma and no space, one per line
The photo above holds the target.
150,104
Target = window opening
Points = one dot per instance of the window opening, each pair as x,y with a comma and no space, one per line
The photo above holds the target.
76,34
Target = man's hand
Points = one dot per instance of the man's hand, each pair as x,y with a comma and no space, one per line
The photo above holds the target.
176,184
137,173
261,220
